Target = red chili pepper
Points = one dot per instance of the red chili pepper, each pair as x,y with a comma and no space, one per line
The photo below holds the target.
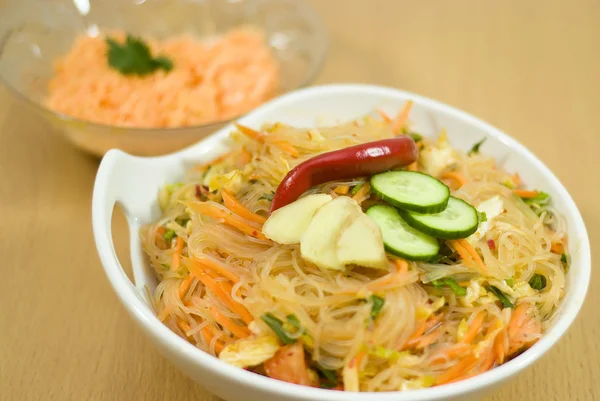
491,244
356,161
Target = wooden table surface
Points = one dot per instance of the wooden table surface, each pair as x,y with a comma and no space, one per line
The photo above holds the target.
532,68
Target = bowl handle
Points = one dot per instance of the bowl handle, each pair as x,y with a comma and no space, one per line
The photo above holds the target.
107,189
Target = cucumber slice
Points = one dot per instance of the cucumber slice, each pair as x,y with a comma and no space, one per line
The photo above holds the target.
411,190
458,220
401,239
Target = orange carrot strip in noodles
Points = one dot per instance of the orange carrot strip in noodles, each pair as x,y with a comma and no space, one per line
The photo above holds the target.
208,337
185,327
384,116
245,157
185,285
468,253
412,167
499,347
489,360
428,339
214,266
464,365
236,207
211,284
457,177
558,248
402,117
217,213
401,265
423,328
450,353
235,329
259,137
517,318
516,179
341,189
474,328
523,193
176,258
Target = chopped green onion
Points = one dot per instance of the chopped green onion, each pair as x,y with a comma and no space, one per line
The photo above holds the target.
505,301
508,183
451,283
294,322
277,326
540,199
267,196
416,137
377,305
475,148
169,235
510,282
328,377
538,282
563,258
357,188
387,353
482,217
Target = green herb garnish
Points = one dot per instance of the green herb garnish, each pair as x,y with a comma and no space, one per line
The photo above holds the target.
510,282
451,283
475,149
540,199
377,304
328,377
277,326
482,216
294,322
538,282
500,295
416,137
169,235
267,196
134,57
356,188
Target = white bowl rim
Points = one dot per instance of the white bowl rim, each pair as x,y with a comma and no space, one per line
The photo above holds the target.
138,309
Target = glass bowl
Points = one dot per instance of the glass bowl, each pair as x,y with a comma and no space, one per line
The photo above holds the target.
34,33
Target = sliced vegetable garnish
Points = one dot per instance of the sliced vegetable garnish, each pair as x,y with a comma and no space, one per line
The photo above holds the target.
538,282
355,161
134,57
500,295
475,149
451,283
542,198
293,321
458,220
401,239
377,305
411,190
277,326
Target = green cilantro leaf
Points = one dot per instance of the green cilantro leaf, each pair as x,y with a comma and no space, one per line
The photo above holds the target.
134,57
475,149
500,295
377,306
538,282
451,283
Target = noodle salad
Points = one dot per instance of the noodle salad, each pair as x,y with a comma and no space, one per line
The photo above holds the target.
357,257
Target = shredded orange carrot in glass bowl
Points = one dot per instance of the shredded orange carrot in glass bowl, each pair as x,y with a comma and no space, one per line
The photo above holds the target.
210,80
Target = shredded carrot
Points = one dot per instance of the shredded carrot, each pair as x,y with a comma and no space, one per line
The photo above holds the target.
341,189
558,248
422,328
176,257
402,117
235,329
208,337
223,296
500,347
450,353
413,166
429,339
457,177
468,253
384,116
245,157
464,365
236,207
260,137
287,148
185,285
401,265
516,320
364,190
474,328
516,179
489,360
215,212
212,265
523,193
184,326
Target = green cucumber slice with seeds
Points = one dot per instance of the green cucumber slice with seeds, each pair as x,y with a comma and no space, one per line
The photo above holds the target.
458,220
411,190
401,239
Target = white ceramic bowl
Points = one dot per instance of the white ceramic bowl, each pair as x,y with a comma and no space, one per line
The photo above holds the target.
133,182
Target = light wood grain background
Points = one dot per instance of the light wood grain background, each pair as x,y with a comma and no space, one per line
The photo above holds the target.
532,68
